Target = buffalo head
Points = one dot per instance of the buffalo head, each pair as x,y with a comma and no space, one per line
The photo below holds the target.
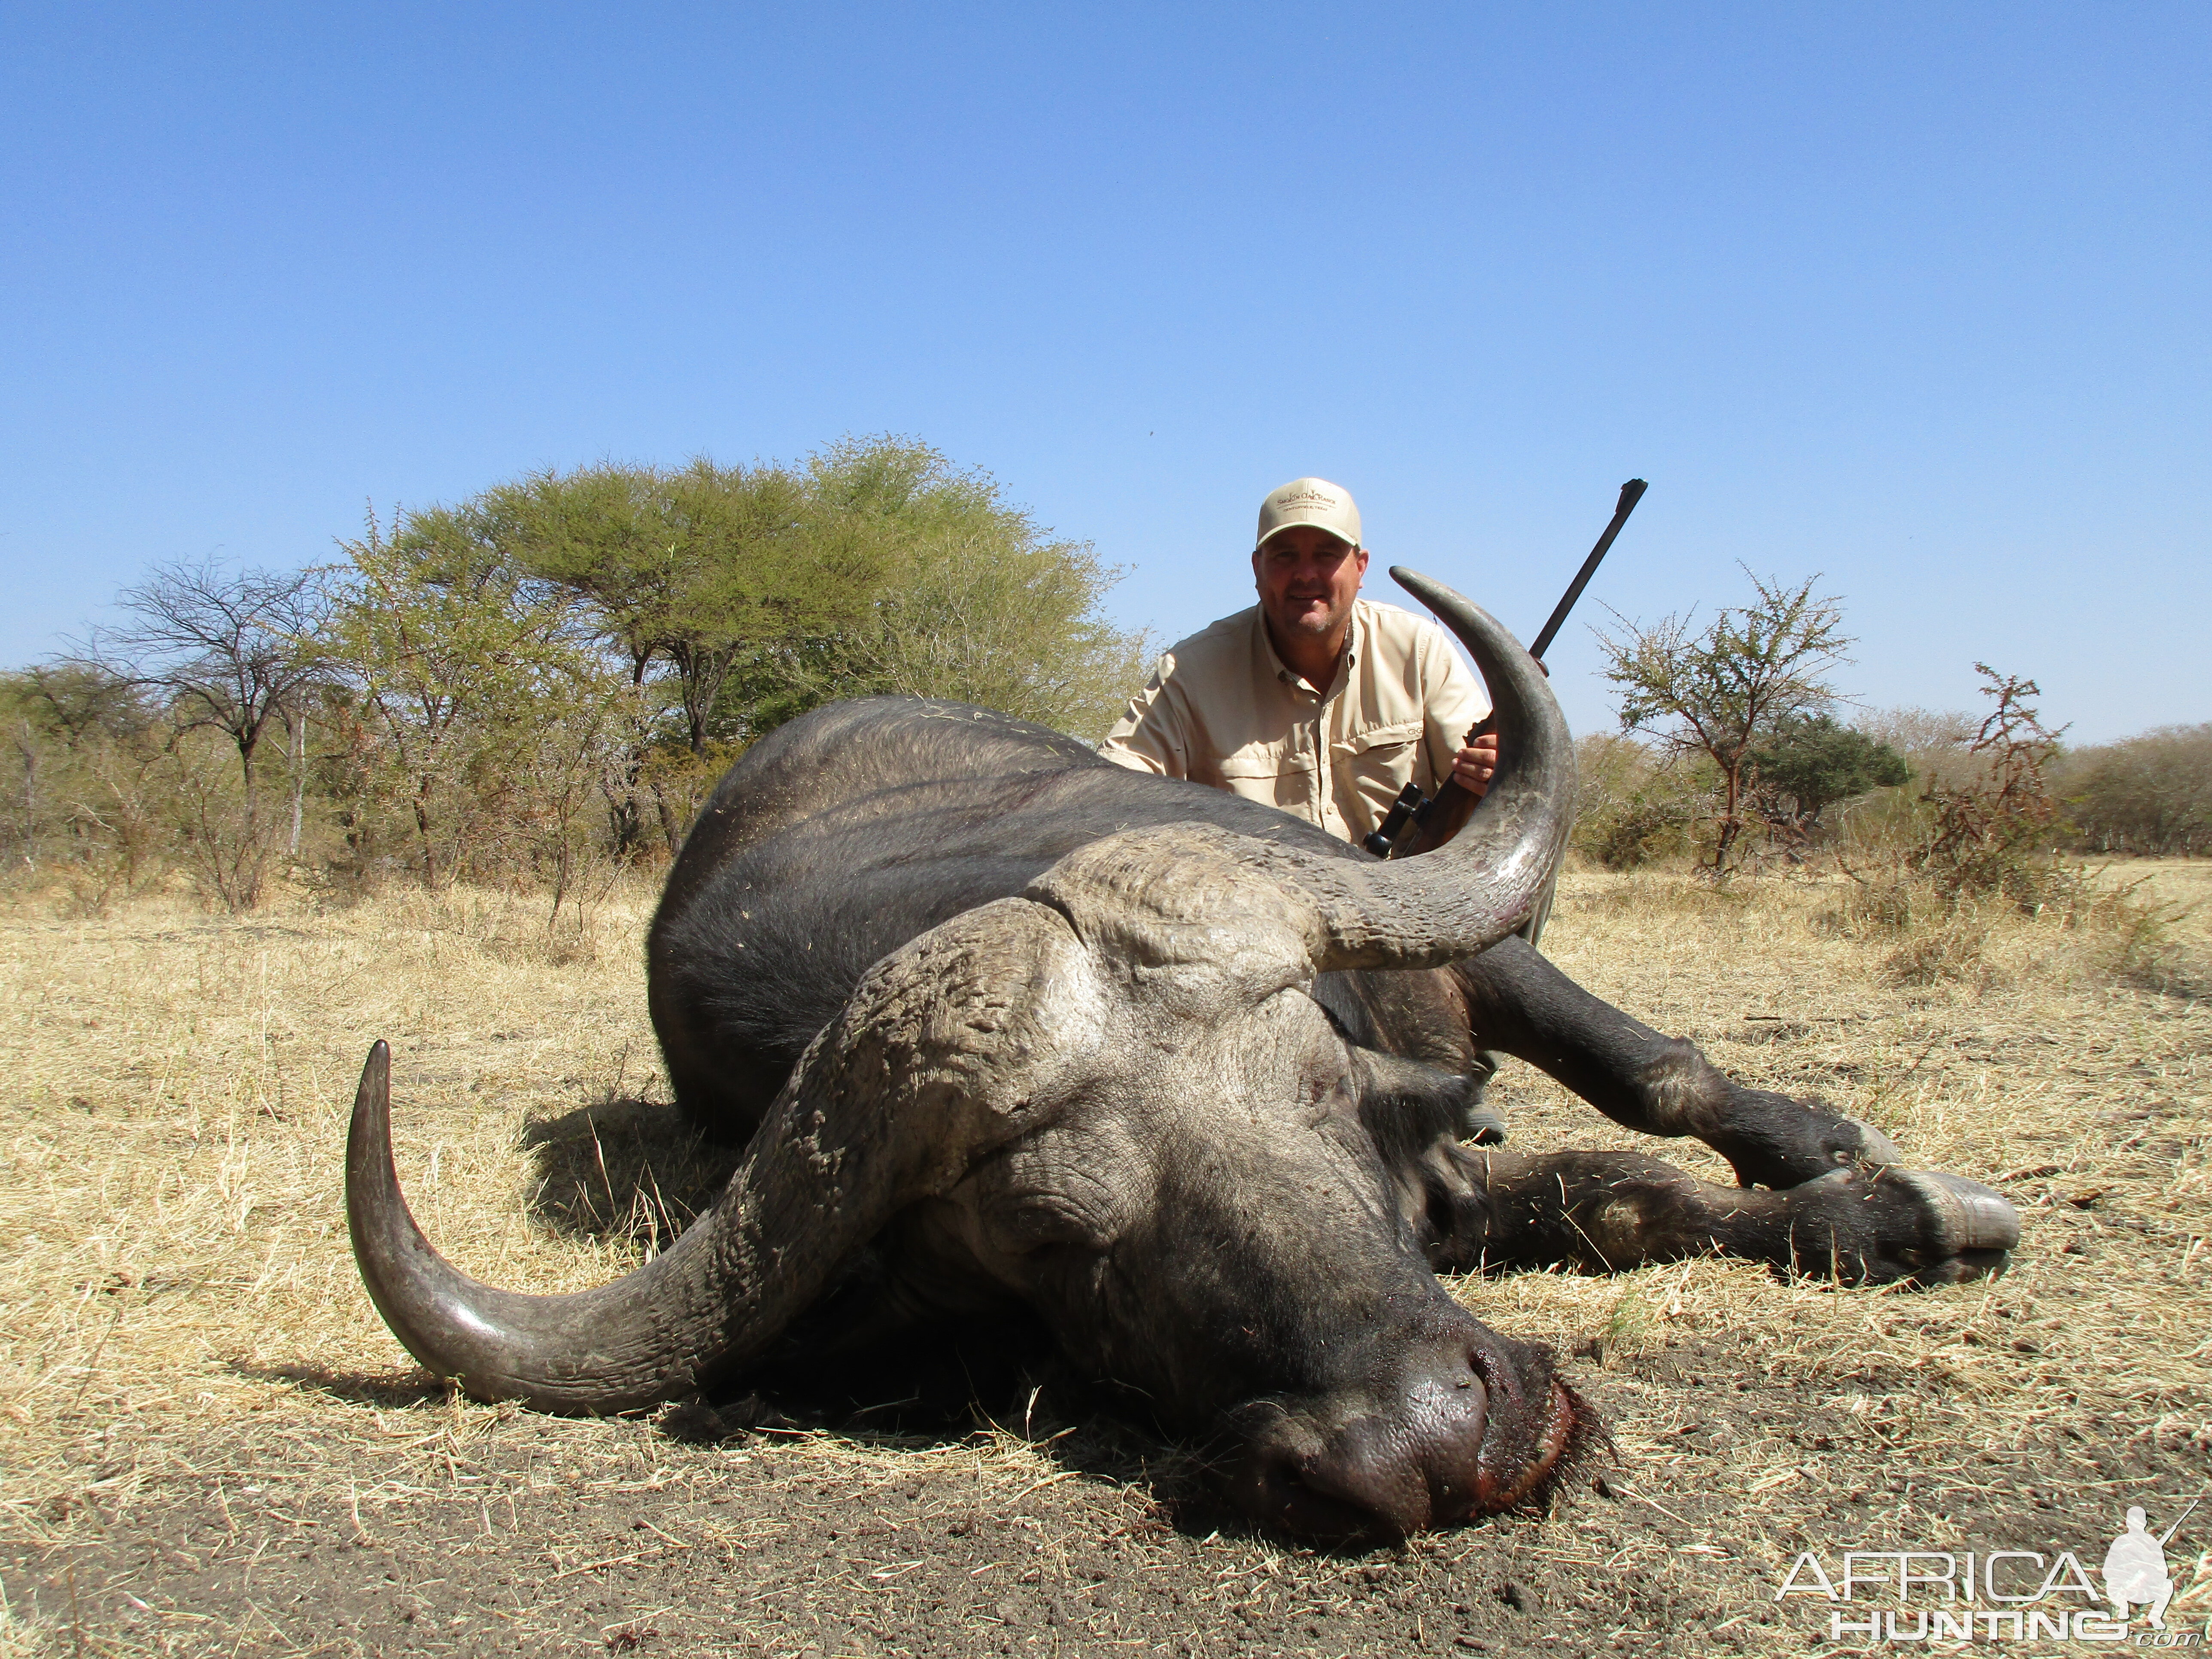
1114,1097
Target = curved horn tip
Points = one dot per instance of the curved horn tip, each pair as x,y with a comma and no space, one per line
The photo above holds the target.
375,1088
1435,595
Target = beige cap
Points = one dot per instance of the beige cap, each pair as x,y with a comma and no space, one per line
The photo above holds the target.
1310,500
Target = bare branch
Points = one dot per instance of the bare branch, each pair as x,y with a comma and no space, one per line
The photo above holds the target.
232,651
1721,691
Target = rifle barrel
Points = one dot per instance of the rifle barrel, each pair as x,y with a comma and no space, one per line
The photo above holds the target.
1440,818
2165,1536
1631,493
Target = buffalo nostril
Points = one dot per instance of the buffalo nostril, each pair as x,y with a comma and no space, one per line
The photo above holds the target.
1433,1443
1407,1459
1314,1498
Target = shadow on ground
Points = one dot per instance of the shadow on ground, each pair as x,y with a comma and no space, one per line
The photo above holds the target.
624,1168
390,1390
634,1172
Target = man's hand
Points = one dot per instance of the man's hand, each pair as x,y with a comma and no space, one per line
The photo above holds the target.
1473,766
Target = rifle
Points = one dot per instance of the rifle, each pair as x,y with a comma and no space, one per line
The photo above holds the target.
2166,1536
1436,820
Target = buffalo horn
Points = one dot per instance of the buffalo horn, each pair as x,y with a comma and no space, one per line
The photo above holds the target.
934,1060
1482,884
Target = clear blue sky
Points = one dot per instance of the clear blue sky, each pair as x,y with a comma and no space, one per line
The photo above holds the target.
1913,294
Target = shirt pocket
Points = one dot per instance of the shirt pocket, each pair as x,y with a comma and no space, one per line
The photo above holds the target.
1269,772
1377,763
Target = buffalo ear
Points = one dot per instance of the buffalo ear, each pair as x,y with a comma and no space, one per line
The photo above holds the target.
1407,1106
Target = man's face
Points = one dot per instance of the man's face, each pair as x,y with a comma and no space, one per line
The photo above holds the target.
1308,579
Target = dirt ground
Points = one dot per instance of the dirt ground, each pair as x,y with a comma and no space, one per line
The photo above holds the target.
209,1445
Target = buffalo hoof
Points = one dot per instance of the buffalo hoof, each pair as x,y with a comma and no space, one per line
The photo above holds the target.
1774,1141
1882,1225
1480,1123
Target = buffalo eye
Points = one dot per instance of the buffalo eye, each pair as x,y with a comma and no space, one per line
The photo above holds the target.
1039,1221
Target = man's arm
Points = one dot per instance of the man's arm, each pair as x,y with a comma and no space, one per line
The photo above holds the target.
1152,734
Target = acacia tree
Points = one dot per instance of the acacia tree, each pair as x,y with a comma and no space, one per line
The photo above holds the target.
457,661
682,565
1013,628
1722,691
234,652
684,569
231,651
944,588
740,596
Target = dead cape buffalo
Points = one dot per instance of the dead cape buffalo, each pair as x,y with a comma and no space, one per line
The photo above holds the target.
1182,1075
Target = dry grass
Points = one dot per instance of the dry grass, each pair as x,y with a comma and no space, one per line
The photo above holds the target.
2184,886
174,1236
179,1306
2085,1098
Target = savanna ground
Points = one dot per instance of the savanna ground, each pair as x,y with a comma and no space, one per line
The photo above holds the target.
208,1444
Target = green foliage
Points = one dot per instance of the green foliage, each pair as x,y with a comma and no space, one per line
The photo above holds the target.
467,678
1810,762
2148,795
81,746
1013,626
747,595
970,600
1722,691
689,569
505,687
78,705
1633,807
929,583
1937,747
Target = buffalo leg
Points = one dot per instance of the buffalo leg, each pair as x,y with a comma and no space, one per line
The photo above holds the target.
1518,1002
1607,1211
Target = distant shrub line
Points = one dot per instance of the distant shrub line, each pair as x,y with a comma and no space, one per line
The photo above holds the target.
542,680
2145,796
538,686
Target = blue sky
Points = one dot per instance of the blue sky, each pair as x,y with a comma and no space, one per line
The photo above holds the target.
1913,296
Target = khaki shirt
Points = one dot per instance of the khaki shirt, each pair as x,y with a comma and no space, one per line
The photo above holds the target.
1221,709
